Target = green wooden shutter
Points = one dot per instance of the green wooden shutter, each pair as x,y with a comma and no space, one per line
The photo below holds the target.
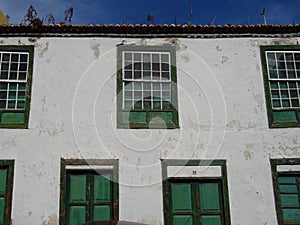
77,199
102,197
289,198
77,215
102,212
78,188
209,197
3,184
182,220
211,220
102,188
181,197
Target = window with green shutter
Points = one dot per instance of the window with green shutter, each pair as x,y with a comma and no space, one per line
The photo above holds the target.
6,184
16,65
281,71
88,195
195,200
287,191
147,87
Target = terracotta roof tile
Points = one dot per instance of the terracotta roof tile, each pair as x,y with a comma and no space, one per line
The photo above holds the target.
146,29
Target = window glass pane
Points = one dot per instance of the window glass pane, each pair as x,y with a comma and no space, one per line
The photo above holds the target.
22,76
11,104
3,86
77,188
20,104
5,66
102,188
23,57
209,197
3,94
182,220
77,215
22,86
181,197
146,57
102,212
5,57
2,104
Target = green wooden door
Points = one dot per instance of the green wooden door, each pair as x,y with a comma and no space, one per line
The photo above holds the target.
89,197
198,202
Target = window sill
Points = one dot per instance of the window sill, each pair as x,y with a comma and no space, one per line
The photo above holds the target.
148,126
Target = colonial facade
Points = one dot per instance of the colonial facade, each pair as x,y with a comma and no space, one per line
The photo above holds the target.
173,125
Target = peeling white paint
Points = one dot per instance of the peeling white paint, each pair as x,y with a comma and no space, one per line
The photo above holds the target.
73,115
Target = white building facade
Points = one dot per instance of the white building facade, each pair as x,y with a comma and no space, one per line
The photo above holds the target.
177,127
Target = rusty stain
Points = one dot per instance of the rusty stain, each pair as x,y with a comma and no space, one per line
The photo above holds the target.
44,99
218,48
248,155
234,124
96,50
285,41
42,48
249,145
185,58
52,220
224,59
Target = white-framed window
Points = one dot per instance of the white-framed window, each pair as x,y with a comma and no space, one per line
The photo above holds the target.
147,87
284,78
146,80
13,79
281,70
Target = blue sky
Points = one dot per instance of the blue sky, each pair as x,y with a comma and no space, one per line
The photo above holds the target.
163,11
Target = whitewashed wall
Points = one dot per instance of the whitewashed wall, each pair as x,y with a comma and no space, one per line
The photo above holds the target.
222,115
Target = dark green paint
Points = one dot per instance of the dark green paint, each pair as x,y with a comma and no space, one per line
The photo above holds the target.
2,209
180,220
141,119
12,117
211,220
3,181
285,116
77,215
102,212
209,197
290,117
102,188
181,197
78,188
